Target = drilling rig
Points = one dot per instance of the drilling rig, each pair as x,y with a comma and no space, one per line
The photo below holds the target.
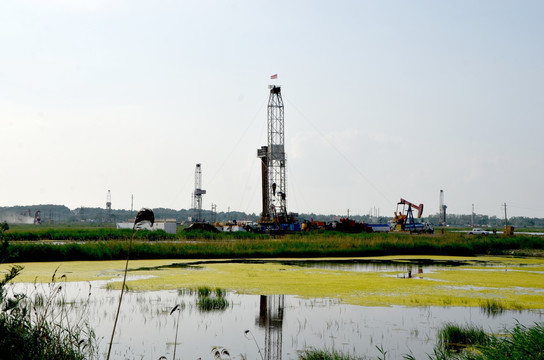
108,207
274,214
197,195
442,210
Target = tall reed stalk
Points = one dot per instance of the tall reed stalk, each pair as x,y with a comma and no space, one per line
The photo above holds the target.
178,308
144,215
255,340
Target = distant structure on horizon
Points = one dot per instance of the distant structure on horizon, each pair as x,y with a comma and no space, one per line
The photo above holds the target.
108,207
442,211
197,195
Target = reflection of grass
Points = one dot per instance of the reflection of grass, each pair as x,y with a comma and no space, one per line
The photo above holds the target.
315,354
493,307
114,286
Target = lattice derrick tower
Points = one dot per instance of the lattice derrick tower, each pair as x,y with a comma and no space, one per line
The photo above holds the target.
197,195
108,206
277,192
442,210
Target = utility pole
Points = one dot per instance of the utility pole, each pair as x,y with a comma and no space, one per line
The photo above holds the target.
505,218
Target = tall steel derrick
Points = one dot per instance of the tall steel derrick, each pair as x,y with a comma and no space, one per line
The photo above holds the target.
274,182
108,207
197,195
442,210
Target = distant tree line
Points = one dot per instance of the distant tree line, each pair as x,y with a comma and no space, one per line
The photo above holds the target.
62,214
488,221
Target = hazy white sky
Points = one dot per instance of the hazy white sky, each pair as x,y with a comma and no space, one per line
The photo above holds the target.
383,100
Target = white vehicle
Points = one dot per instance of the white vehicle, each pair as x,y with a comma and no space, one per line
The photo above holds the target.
477,231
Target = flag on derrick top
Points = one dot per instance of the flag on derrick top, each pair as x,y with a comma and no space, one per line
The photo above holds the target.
275,76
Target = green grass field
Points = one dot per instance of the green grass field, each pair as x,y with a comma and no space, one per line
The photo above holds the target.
57,243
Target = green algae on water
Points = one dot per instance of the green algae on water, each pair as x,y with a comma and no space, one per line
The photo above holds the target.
513,283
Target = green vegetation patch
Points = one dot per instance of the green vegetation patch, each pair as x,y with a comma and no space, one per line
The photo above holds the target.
57,244
456,337
470,342
38,328
211,299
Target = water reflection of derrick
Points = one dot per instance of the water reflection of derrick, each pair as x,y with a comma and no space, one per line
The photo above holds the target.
271,319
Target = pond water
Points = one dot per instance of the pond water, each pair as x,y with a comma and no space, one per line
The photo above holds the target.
279,326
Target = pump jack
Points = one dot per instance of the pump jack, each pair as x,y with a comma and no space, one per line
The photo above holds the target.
405,221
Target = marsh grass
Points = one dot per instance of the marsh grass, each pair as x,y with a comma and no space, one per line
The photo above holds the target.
232,245
456,337
211,299
519,343
493,307
35,326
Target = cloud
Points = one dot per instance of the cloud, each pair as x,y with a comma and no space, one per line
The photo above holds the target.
384,138
307,144
343,140
480,168
82,5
